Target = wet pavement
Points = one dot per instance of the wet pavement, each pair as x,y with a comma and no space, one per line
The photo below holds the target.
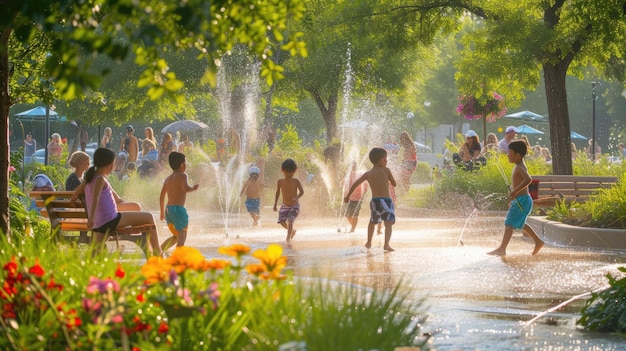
473,301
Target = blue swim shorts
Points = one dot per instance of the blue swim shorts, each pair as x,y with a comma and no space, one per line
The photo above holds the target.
516,216
253,205
382,210
177,218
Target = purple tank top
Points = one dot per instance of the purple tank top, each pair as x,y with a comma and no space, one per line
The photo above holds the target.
106,209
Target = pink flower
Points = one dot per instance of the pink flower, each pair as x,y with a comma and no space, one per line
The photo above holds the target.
11,169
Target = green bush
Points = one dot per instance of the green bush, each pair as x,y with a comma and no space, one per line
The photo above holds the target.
606,310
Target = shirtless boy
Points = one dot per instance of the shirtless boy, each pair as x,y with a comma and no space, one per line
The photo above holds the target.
252,188
292,191
381,205
521,203
175,186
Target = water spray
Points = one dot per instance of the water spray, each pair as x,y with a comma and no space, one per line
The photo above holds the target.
506,181
460,242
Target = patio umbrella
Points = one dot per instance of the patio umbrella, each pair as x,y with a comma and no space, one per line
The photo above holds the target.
524,129
574,135
37,114
184,126
527,116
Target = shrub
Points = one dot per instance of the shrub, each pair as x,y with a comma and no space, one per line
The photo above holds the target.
605,310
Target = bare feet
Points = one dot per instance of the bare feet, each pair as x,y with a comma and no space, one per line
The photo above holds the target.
497,252
293,233
368,245
538,246
379,232
388,248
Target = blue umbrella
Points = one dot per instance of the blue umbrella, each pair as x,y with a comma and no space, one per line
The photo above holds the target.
36,114
524,129
574,135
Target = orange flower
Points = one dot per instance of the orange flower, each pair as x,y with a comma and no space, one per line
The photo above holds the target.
235,250
214,264
185,257
255,269
156,270
272,259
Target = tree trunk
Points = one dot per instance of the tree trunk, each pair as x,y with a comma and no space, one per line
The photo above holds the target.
556,96
4,131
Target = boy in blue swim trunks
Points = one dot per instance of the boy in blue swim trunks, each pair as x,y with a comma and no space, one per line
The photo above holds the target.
382,210
252,188
175,186
521,203
292,192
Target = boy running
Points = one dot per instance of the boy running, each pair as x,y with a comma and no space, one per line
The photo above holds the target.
381,205
175,186
292,191
521,203
252,188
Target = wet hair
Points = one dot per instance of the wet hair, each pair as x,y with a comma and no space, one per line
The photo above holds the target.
519,146
289,165
176,159
102,157
376,154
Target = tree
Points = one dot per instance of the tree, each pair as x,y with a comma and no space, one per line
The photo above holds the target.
149,27
522,39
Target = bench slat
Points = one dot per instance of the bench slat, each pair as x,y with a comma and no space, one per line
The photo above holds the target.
552,188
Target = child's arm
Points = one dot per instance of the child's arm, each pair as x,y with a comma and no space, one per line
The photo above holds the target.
186,185
162,200
244,187
519,172
300,191
392,180
356,183
78,192
277,193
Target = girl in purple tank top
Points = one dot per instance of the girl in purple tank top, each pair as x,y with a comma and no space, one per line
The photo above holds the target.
102,203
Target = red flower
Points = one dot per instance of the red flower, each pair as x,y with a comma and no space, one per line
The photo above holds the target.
36,269
163,328
119,272
141,298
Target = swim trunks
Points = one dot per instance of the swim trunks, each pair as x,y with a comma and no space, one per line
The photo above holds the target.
382,210
353,209
109,226
288,213
253,205
516,216
177,218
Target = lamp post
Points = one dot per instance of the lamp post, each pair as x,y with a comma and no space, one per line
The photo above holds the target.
593,121
426,104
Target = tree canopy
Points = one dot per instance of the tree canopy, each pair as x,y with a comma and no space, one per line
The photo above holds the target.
77,32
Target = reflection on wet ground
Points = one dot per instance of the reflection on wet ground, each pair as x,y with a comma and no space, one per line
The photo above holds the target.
474,301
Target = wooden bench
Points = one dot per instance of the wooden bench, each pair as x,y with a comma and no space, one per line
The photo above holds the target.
552,188
67,217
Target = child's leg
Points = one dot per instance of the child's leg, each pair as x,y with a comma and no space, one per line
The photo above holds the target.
182,237
370,234
139,218
380,225
388,226
290,231
538,242
501,250
284,225
98,242
169,242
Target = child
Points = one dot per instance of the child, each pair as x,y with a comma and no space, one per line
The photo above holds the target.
102,202
292,191
381,205
175,186
252,188
354,205
521,202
